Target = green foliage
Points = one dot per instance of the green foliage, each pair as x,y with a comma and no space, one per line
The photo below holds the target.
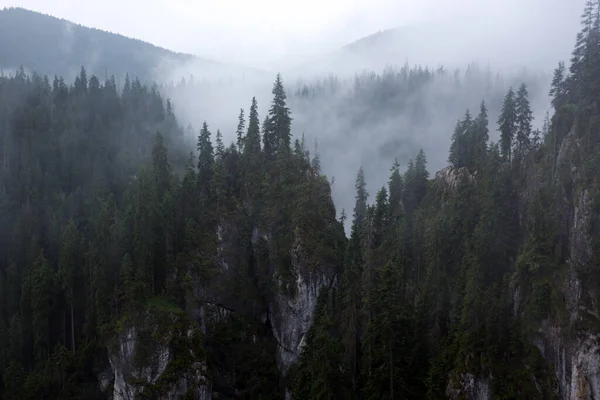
507,123
106,227
319,373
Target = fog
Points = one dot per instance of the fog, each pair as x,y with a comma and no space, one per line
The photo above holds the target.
501,45
277,34
363,121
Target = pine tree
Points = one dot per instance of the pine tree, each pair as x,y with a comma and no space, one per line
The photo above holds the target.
462,149
395,188
507,123
277,136
240,131
160,165
380,217
558,88
360,208
206,160
524,116
481,133
269,139
220,148
343,217
252,142
316,161
421,176
81,83
408,195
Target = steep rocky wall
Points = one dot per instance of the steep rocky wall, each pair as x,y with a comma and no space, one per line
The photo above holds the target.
292,316
131,377
573,347
471,388
289,314
569,344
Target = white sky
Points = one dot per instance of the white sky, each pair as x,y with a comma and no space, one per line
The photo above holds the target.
263,32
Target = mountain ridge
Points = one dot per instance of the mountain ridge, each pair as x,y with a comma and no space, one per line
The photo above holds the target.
56,46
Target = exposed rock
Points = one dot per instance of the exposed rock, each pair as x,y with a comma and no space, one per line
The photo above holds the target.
292,315
471,388
450,176
292,318
573,352
130,378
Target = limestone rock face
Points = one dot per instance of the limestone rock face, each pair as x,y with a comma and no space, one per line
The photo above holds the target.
572,352
292,315
131,375
471,388
289,314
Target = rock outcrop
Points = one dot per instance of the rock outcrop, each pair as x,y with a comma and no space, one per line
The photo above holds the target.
570,344
292,315
471,388
142,358
288,315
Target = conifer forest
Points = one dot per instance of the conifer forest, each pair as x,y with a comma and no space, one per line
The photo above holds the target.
137,265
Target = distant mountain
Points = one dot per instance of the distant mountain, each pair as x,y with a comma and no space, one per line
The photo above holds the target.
51,46
451,44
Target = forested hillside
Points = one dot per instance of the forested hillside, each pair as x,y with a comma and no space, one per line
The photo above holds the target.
107,233
371,119
52,46
131,268
480,283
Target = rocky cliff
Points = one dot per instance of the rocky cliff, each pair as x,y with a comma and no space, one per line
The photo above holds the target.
282,319
568,341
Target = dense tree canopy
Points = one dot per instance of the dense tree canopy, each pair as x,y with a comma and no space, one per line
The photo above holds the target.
109,223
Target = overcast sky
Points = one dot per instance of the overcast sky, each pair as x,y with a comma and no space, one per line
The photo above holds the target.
263,32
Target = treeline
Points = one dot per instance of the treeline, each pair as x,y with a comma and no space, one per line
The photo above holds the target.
446,283
108,222
105,216
52,45
69,153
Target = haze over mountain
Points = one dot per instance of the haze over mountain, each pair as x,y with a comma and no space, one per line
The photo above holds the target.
56,46
362,227
219,90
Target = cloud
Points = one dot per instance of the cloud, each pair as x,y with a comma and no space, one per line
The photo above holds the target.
300,39
271,34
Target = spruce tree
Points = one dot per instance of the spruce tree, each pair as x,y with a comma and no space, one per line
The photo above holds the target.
240,131
558,88
360,208
395,188
206,160
316,161
160,165
524,117
507,124
421,176
481,137
252,142
220,147
277,137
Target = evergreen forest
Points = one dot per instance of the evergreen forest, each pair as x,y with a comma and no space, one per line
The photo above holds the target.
134,268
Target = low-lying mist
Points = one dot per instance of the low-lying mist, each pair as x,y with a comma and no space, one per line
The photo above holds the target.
369,120
365,104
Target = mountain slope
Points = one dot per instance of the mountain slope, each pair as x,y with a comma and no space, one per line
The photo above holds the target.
496,40
55,46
